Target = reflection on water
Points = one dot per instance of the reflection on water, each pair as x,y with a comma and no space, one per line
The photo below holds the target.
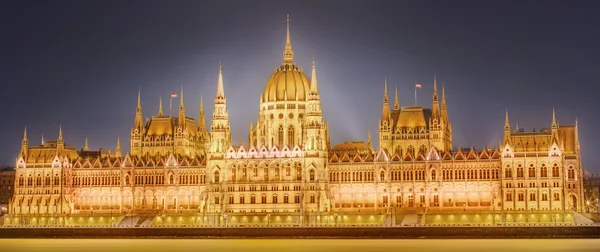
293,245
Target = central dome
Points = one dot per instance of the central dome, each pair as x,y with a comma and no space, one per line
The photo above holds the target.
287,83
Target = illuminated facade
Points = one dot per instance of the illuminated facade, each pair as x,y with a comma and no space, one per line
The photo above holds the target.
177,166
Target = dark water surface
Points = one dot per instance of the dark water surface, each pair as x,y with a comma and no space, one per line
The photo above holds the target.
294,245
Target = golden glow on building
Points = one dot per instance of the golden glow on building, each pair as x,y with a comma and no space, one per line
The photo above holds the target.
290,172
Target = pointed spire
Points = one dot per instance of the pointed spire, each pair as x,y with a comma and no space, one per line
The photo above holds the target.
396,102
220,90
288,54
181,116
436,105
554,124
385,112
24,144
313,81
506,123
60,144
385,92
369,143
444,108
160,111
60,135
25,135
118,148
139,101
42,139
201,120
181,103
138,122
85,147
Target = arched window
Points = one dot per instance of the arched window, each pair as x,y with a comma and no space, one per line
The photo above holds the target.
252,199
231,199
233,173
56,179
242,199
38,180
47,182
520,172
544,171
532,196
280,137
531,172
291,136
508,172
21,180
126,179
312,175
571,173
508,196
298,173
288,170
555,171
544,196
433,175
171,179
382,176
521,197
217,179
266,174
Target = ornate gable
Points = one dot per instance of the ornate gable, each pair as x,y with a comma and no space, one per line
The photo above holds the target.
459,155
334,158
472,155
346,158
382,156
484,154
420,156
369,157
447,155
357,158
433,154
496,154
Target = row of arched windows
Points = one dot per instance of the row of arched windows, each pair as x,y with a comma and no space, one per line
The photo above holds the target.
532,171
532,196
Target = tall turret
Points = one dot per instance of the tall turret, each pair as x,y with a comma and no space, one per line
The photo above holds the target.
181,116
60,143
220,132
118,148
506,130
138,129
385,123
160,106
24,145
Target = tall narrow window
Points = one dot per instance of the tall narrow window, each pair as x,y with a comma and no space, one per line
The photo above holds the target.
312,175
291,137
217,179
280,137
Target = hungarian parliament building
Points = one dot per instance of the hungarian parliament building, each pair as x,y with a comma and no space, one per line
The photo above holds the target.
178,166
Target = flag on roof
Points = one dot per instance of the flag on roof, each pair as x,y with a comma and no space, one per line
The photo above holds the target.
173,95
418,85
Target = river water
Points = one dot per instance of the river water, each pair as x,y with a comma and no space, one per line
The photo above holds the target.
297,245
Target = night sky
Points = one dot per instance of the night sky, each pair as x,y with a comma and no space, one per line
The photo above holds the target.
79,64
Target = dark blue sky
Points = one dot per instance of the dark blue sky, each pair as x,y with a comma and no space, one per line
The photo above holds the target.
79,63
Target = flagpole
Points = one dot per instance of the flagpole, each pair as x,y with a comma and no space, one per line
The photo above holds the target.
170,103
415,93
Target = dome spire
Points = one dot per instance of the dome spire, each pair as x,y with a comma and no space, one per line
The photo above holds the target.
160,111
288,54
